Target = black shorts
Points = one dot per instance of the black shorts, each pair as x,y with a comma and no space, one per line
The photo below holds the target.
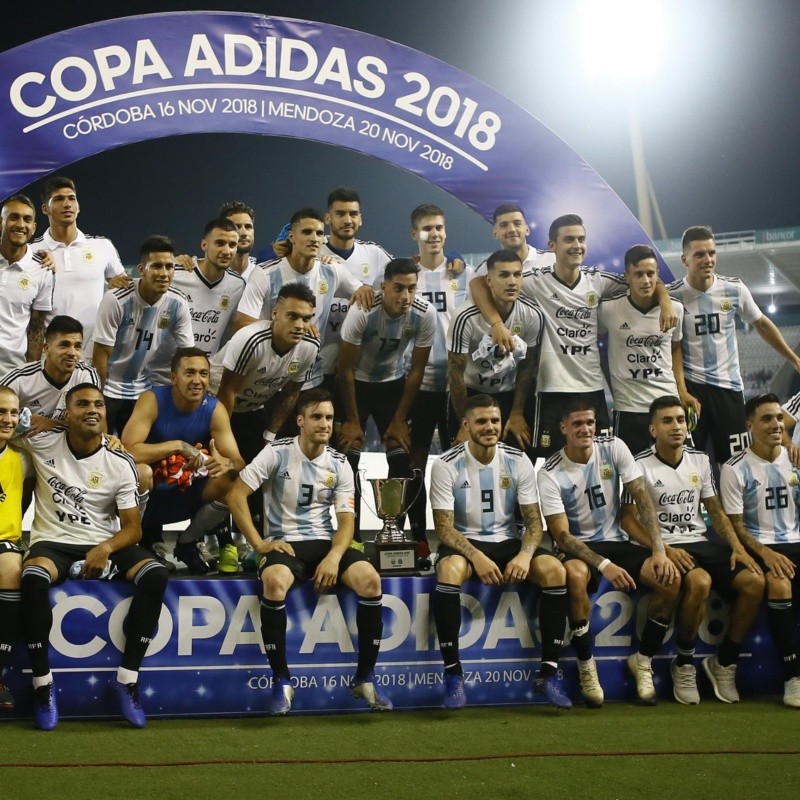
721,420
634,429
715,559
118,412
547,436
500,552
429,413
7,546
629,556
379,401
306,558
65,555
248,430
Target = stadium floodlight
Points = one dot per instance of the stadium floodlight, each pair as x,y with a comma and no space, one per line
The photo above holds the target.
772,308
622,39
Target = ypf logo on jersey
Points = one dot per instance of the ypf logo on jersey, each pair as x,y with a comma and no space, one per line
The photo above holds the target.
163,321
94,480
606,472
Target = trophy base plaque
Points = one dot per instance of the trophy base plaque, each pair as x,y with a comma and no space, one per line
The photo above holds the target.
393,558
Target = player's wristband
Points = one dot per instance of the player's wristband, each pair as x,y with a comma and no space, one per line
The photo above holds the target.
603,564
269,436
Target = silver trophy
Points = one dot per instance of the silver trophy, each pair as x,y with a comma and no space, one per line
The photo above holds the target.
394,553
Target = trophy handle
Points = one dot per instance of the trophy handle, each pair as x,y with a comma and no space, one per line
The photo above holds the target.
361,491
417,472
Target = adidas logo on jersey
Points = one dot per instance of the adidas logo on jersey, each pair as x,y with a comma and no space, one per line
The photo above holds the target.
34,404
624,327
464,485
554,296
756,482
262,370
658,484
50,462
285,474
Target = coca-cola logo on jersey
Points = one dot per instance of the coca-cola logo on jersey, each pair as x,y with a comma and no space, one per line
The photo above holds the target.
62,492
584,312
684,496
206,316
652,340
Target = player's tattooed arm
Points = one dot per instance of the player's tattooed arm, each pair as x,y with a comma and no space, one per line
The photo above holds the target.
646,512
722,525
777,563
282,405
443,522
559,531
36,335
532,537
456,365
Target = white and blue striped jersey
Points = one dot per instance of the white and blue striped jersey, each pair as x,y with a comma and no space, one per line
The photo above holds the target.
250,353
366,263
24,287
792,405
589,494
468,329
676,492
77,498
40,394
765,494
326,281
143,338
384,340
570,360
212,305
639,353
447,293
710,352
300,493
482,496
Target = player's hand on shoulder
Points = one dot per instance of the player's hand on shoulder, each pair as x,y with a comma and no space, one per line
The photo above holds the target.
114,444
189,263
363,297
45,259
119,281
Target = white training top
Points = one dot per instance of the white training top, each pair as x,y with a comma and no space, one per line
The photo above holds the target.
143,338
212,305
77,497
250,353
765,494
710,352
589,494
639,354
384,340
676,493
482,496
299,493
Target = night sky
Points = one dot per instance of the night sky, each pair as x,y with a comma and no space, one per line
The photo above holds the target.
719,120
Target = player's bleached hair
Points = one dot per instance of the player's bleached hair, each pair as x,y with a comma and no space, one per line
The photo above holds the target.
665,401
424,210
506,208
52,185
186,352
576,406
564,221
344,194
297,291
223,223
697,233
754,403
155,244
502,257
236,207
306,213
62,324
637,253
400,266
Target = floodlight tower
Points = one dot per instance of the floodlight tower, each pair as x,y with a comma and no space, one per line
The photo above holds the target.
623,42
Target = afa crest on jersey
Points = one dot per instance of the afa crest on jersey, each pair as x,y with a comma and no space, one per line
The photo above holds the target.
505,481
224,302
453,286
605,471
88,256
591,299
94,480
322,287
793,479
329,481
163,321
293,367
725,304
694,479
516,328
365,269
24,282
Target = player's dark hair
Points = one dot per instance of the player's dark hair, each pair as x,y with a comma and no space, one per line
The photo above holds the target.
425,210
155,244
62,324
502,257
697,233
753,404
236,207
313,397
506,208
344,194
564,221
186,352
307,213
79,387
637,253
480,401
400,266
52,185
223,223
21,198
575,406
297,291
665,401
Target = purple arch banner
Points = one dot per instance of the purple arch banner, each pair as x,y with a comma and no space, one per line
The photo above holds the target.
83,91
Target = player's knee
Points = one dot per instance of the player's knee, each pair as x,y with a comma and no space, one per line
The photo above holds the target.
453,570
697,583
368,582
145,478
750,585
577,576
548,571
778,588
274,583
